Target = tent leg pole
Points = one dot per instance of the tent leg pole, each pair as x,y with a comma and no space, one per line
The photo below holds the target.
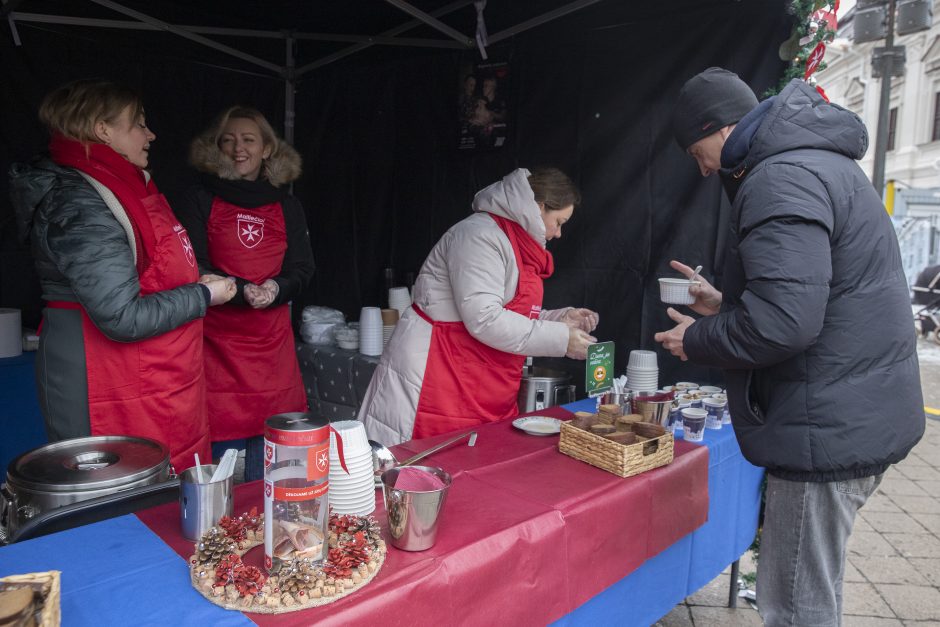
733,588
289,85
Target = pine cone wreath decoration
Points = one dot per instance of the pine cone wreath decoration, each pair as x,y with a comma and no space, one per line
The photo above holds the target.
214,545
237,528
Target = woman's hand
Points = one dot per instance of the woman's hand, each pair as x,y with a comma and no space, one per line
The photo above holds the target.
707,298
221,289
578,342
260,296
672,340
583,319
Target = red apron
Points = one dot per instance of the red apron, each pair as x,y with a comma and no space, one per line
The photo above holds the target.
152,388
251,361
467,383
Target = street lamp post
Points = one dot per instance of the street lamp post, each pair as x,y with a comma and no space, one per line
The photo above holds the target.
875,20
884,106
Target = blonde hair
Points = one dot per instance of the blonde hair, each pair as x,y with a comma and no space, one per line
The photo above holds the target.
269,138
553,187
73,109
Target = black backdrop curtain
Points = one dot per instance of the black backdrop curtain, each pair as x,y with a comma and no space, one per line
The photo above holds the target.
383,179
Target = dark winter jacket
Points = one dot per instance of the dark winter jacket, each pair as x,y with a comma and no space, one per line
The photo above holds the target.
220,179
82,254
815,329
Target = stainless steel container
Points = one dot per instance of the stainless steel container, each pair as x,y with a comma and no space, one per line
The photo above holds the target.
203,502
541,388
71,471
414,515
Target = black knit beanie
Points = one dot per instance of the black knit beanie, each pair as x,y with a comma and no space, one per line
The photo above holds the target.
708,102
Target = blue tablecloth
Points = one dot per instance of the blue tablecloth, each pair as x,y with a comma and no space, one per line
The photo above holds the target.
19,409
118,572
661,582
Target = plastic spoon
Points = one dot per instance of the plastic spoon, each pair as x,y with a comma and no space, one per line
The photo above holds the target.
199,470
695,274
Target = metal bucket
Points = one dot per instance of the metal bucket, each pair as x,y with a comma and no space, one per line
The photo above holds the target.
413,516
656,412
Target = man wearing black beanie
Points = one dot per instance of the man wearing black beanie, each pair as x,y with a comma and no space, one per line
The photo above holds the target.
812,327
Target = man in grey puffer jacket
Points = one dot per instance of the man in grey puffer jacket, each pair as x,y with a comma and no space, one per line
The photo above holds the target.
813,328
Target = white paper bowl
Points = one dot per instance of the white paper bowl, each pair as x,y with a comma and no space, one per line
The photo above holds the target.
676,291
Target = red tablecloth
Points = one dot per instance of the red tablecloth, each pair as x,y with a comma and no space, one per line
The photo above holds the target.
527,534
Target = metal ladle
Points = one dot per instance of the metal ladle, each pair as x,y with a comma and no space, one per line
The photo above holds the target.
383,459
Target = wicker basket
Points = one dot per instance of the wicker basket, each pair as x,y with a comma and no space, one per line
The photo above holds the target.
619,459
49,582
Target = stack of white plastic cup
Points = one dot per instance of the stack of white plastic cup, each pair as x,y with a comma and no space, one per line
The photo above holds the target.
642,371
370,331
352,493
399,298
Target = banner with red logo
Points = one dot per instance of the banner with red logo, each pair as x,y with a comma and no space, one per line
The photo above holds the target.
815,58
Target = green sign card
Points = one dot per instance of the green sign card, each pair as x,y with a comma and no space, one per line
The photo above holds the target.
599,368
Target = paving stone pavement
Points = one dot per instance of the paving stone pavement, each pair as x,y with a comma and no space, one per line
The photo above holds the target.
892,570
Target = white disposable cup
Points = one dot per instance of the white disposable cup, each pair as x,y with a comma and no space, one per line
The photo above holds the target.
715,409
353,433
675,416
709,389
371,316
645,360
693,424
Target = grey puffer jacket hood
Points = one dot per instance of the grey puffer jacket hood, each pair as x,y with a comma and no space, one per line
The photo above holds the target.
815,329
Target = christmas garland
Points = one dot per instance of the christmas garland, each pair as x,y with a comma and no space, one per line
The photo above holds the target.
356,554
814,27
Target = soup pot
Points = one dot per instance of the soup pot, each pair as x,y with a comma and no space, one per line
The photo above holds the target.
542,387
80,472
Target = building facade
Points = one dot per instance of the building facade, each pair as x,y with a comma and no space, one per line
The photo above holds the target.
913,156
912,159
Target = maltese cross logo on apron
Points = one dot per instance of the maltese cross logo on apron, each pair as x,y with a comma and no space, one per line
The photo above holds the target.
187,245
250,232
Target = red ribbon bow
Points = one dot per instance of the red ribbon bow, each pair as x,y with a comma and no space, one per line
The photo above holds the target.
339,448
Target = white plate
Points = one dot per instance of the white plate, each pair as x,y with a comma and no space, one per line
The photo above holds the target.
538,425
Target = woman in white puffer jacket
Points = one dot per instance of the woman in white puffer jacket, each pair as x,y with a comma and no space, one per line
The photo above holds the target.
455,358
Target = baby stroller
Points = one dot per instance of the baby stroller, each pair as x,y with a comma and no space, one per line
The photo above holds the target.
927,293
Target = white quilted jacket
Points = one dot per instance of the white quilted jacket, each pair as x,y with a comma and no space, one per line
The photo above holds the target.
469,276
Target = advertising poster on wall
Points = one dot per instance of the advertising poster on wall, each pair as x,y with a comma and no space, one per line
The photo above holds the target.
483,97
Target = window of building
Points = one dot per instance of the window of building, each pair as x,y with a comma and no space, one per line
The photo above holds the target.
936,117
892,127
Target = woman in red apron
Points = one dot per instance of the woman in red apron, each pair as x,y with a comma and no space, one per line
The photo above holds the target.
455,358
243,224
120,349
